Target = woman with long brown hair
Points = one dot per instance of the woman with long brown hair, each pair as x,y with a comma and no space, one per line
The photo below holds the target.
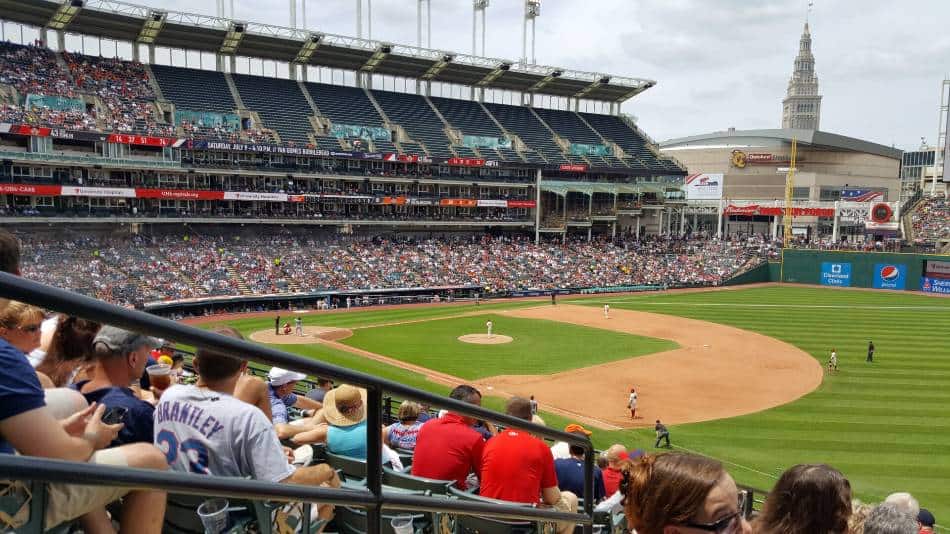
807,498
69,350
679,493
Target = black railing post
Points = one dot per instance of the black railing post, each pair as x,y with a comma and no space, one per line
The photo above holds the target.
374,458
588,485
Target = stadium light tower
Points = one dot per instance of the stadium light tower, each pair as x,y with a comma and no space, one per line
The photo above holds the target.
532,10
428,10
369,19
478,5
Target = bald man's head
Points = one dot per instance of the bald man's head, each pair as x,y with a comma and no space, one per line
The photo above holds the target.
615,454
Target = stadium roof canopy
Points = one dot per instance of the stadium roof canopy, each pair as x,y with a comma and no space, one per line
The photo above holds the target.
117,20
815,139
589,188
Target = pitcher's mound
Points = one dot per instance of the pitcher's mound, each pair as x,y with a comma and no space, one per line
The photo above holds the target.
311,334
484,339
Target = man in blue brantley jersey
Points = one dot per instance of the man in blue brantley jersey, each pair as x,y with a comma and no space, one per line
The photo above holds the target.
204,429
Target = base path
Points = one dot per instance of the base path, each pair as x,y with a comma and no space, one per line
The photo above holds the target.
718,371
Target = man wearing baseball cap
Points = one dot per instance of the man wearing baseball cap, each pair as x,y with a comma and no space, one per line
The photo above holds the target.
926,521
281,383
120,359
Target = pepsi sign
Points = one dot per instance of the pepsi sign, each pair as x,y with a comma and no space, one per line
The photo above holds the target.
890,276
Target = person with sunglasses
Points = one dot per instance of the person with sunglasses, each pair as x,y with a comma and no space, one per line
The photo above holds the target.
20,325
680,493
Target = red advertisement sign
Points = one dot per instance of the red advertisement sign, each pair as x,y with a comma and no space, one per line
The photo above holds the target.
30,190
521,204
460,202
466,162
143,140
756,209
573,168
179,194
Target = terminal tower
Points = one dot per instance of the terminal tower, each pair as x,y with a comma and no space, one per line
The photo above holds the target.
801,108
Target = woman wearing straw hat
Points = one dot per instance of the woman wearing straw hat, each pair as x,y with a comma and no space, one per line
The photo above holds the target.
345,411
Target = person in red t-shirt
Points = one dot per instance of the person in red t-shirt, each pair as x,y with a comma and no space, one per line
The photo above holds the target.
448,448
616,454
519,467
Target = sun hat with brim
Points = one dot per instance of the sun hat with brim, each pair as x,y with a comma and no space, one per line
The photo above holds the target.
124,341
345,406
574,427
278,377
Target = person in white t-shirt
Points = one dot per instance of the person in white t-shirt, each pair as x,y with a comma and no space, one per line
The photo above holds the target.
632,403
204,429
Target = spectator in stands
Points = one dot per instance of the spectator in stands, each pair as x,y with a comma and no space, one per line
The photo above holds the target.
904,502
570,473
807,498
616,455
20,325
229,437
254,391
518,467
859,514
69,350
317,393
120,358
561,450
403,434
889,518
447,448
926,521
281,393
28,427
681,493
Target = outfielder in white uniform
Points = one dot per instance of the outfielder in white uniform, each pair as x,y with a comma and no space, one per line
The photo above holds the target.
606,311
489,325
833,361
298,323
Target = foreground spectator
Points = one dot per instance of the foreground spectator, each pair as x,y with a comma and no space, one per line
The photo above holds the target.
905,502
69,350
121,356
448,448
616,455
518,467
281,393
228,437
28,427
252,389
889,518
403,434
926,521
317,393
681,493
570,473
807,498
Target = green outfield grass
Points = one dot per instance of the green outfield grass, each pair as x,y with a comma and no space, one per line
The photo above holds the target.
886,425
539,347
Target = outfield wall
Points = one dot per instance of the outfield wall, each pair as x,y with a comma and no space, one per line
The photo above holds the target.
879,270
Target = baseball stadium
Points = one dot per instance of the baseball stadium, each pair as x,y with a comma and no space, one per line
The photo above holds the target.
394,289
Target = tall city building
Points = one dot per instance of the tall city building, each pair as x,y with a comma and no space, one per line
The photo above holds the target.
801,107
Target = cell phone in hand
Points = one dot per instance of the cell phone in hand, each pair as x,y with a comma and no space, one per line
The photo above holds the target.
114,415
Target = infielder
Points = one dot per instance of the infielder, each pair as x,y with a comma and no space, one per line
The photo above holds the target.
833,361
606,311
298,324
632,403
489,325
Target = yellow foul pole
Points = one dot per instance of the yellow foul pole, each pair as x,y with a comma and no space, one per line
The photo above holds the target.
789,188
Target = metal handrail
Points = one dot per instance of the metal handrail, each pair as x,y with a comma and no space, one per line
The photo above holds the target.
374,499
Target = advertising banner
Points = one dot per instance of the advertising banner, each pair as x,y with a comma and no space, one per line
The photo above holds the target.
756,209
407,158
58,103
704,186
208,119
423,202
581,149
521,204
572,168
399,201
485,141
145,140
935,285
249,196
24,129
492,203
460,202
861,195
937,269
30,190
179,194
890,276
113,192
465,162
360,131
835,274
